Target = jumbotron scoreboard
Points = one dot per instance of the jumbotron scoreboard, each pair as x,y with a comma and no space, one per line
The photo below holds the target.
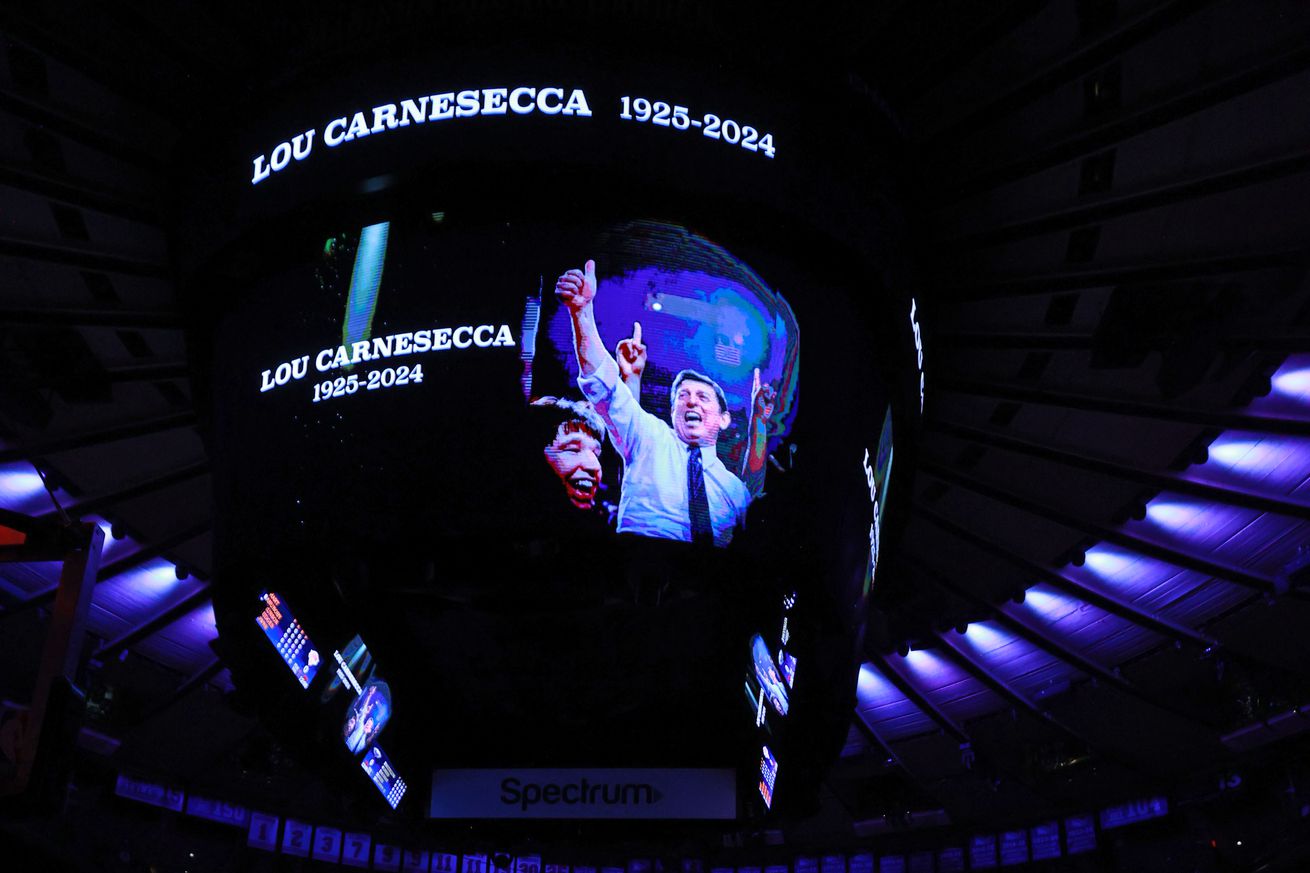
557,409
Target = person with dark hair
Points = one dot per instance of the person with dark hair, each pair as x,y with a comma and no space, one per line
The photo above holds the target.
675,486
572,437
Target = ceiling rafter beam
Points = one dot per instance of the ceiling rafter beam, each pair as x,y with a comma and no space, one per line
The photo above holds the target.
154,550
1093,210
80,193
1012,14
999,686
1160,481
146,553
138,489
40,37
1133,122
62,121
1120,406
1169,554
155,623
994,287
904,683
1065,341
131,318
115,375
191,683
1076,63
1011,617
57,444
80,257
875,739
1104,600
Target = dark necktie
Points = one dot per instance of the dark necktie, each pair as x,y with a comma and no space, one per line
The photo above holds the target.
698,503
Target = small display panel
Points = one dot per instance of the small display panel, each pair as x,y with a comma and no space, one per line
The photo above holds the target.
355,667
950,860
289,638
378,767
769,682
982,852
1046,841
1080,834
1014,848
367,716
787,664
768,775
1131,813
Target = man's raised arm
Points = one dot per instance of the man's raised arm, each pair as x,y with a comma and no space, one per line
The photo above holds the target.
576,289
754,466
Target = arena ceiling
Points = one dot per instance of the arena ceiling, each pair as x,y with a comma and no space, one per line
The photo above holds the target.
1095,593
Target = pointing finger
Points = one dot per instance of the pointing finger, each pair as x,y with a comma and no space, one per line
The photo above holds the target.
636,332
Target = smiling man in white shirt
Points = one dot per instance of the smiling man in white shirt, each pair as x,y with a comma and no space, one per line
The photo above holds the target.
674,485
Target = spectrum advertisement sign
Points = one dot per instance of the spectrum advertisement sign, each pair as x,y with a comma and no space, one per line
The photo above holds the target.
665,793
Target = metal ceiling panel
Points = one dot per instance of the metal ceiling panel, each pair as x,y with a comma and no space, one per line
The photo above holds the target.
885,709
1156,586
184,644
1278,465
130,598
947,685
1245,537
1022,665
1096,633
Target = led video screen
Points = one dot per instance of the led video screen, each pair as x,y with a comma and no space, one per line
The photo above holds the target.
507,380
454,430
657,374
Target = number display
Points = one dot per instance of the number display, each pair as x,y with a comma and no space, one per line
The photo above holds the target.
713,126
387,377
355,848
296,838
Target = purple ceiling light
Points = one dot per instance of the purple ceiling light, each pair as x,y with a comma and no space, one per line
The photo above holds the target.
884,708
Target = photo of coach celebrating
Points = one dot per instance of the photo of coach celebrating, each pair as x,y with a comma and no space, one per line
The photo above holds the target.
675,486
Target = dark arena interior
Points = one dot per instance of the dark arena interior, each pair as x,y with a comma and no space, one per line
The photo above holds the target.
407,463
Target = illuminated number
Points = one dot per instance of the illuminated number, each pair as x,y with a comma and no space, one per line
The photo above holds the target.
327,842
748,137
352,384
417,373
766,144
373,377
338,386
388,377
263,831
402,375
736,131
296,836
625,114
661,113
642,108
316,392
680,115
711,126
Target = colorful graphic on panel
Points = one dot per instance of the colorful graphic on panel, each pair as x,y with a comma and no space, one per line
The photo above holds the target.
768,775
367,716
377,765
289,638
700,386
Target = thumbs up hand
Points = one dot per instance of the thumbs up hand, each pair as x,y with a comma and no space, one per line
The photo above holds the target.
576,288
763,397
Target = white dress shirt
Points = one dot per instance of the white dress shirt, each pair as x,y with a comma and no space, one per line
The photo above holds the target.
654,502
